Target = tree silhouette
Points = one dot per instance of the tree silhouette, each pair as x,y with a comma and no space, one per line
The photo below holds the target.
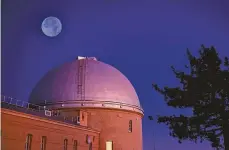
205,89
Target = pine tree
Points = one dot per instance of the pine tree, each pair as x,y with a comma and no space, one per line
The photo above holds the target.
205,89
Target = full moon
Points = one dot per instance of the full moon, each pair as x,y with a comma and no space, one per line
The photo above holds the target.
51,26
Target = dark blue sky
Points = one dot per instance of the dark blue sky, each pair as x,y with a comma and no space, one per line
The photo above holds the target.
140,38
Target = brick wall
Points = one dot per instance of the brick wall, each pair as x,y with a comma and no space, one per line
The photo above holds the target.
16,126
113,126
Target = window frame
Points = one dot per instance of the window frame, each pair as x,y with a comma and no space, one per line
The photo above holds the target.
75,144
43,142
65,144
28,142
130,126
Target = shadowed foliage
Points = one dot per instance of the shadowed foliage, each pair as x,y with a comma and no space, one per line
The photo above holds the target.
205,89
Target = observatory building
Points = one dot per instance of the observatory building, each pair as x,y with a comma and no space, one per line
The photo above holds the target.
81,105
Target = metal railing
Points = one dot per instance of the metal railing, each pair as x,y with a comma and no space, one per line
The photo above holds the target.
69,103
20,103
88,99
25,107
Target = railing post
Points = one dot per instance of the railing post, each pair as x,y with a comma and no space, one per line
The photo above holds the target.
11,100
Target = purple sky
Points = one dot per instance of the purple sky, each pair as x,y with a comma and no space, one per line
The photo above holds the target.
140,38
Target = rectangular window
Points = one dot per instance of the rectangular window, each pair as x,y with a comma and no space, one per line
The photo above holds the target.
109,145
65,144
130,126
75,145
43,142
28,143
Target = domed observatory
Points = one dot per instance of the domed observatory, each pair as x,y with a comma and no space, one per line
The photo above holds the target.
99,96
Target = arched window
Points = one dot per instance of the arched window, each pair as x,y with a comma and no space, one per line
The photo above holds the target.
75,145
43,142
130,126
83,116
28,143
65,144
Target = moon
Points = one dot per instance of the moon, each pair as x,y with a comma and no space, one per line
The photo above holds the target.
51,26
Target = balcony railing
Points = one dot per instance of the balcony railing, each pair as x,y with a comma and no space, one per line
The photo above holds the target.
20,103
25,107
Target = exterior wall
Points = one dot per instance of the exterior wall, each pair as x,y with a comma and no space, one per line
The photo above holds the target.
16,126
113,126
83,118
75,112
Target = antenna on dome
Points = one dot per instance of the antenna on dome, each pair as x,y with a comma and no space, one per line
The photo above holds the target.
88,58
80,57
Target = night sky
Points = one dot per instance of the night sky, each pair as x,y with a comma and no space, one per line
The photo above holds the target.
140,38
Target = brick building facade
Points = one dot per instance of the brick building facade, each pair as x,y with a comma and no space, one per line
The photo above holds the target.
17,127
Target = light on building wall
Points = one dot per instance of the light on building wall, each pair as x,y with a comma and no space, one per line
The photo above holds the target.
109,145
